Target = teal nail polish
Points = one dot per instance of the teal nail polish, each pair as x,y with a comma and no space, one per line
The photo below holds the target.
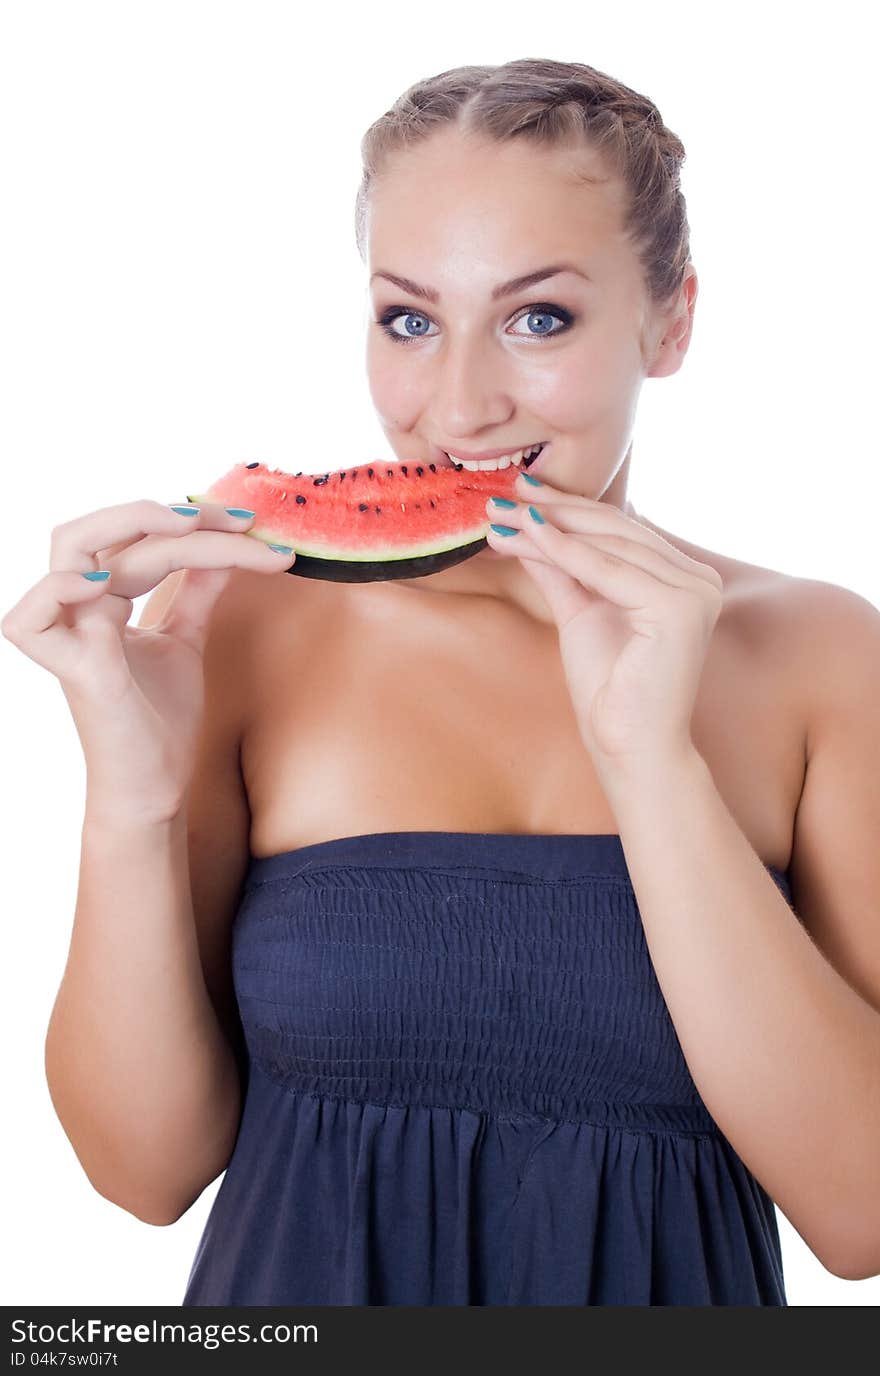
186,510
100,576
240,511
536,482
282,549
536,516
503,530
502,501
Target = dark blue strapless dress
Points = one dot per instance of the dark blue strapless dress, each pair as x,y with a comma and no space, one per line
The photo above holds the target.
464,1088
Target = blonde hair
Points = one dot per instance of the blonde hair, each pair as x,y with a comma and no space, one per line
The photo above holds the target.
548,103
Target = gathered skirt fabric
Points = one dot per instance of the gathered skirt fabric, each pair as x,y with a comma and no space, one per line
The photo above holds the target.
464,1087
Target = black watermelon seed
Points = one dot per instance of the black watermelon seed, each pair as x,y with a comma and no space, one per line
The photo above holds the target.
420,471
390,472
378,511
369,472
432,502
318,481
300,499
298,475
253,465
433,467
403,470
362,506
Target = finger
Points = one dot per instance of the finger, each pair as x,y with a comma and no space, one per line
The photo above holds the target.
44,623
195,516
205,515
610,550
143,564
634,552
37,625
189,614
582,515
94,541
77,544
629,579
563,594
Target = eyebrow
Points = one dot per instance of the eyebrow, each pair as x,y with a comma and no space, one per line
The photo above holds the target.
529,279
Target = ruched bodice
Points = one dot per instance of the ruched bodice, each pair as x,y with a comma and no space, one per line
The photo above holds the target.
464,1088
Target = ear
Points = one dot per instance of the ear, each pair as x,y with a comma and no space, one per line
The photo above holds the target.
675,329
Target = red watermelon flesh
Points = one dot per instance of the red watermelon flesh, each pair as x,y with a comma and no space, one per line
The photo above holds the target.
377,521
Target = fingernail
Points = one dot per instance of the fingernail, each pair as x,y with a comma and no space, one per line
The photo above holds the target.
503,530
536,516
282,549
536,482
186,510
99,576
502,501
240,511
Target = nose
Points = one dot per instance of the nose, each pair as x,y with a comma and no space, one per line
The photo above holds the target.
471,391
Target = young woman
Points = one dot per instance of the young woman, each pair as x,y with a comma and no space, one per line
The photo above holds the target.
507,935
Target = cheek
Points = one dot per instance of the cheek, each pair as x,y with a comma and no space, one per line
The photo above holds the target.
396,392
564,395
581,388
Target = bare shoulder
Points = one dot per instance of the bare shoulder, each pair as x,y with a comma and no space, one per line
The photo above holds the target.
822,630
833,641
796,610
818,613
817,638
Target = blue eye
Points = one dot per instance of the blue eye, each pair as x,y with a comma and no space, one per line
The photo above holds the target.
386,319
543,312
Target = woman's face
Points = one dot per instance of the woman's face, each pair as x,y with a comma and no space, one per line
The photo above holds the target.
561,360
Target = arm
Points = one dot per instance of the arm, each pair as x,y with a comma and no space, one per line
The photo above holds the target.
140,1050
784,1048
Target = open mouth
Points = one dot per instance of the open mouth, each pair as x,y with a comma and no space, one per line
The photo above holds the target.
519,458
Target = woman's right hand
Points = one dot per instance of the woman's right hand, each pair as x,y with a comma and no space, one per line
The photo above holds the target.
136,693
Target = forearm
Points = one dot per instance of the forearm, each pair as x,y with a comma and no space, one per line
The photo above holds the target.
784,1053
140,1072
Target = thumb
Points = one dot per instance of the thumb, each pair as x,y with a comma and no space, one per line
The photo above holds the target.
564,596
190,611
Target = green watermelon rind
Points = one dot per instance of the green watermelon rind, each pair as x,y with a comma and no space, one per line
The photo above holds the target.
379,553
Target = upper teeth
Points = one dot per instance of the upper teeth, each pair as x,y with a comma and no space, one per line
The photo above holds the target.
504,462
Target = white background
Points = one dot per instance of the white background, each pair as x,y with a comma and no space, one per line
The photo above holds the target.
181,291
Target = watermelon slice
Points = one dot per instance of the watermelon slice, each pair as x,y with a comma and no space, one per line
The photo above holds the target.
370,523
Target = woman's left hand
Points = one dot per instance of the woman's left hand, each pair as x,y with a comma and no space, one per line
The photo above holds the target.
635,617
